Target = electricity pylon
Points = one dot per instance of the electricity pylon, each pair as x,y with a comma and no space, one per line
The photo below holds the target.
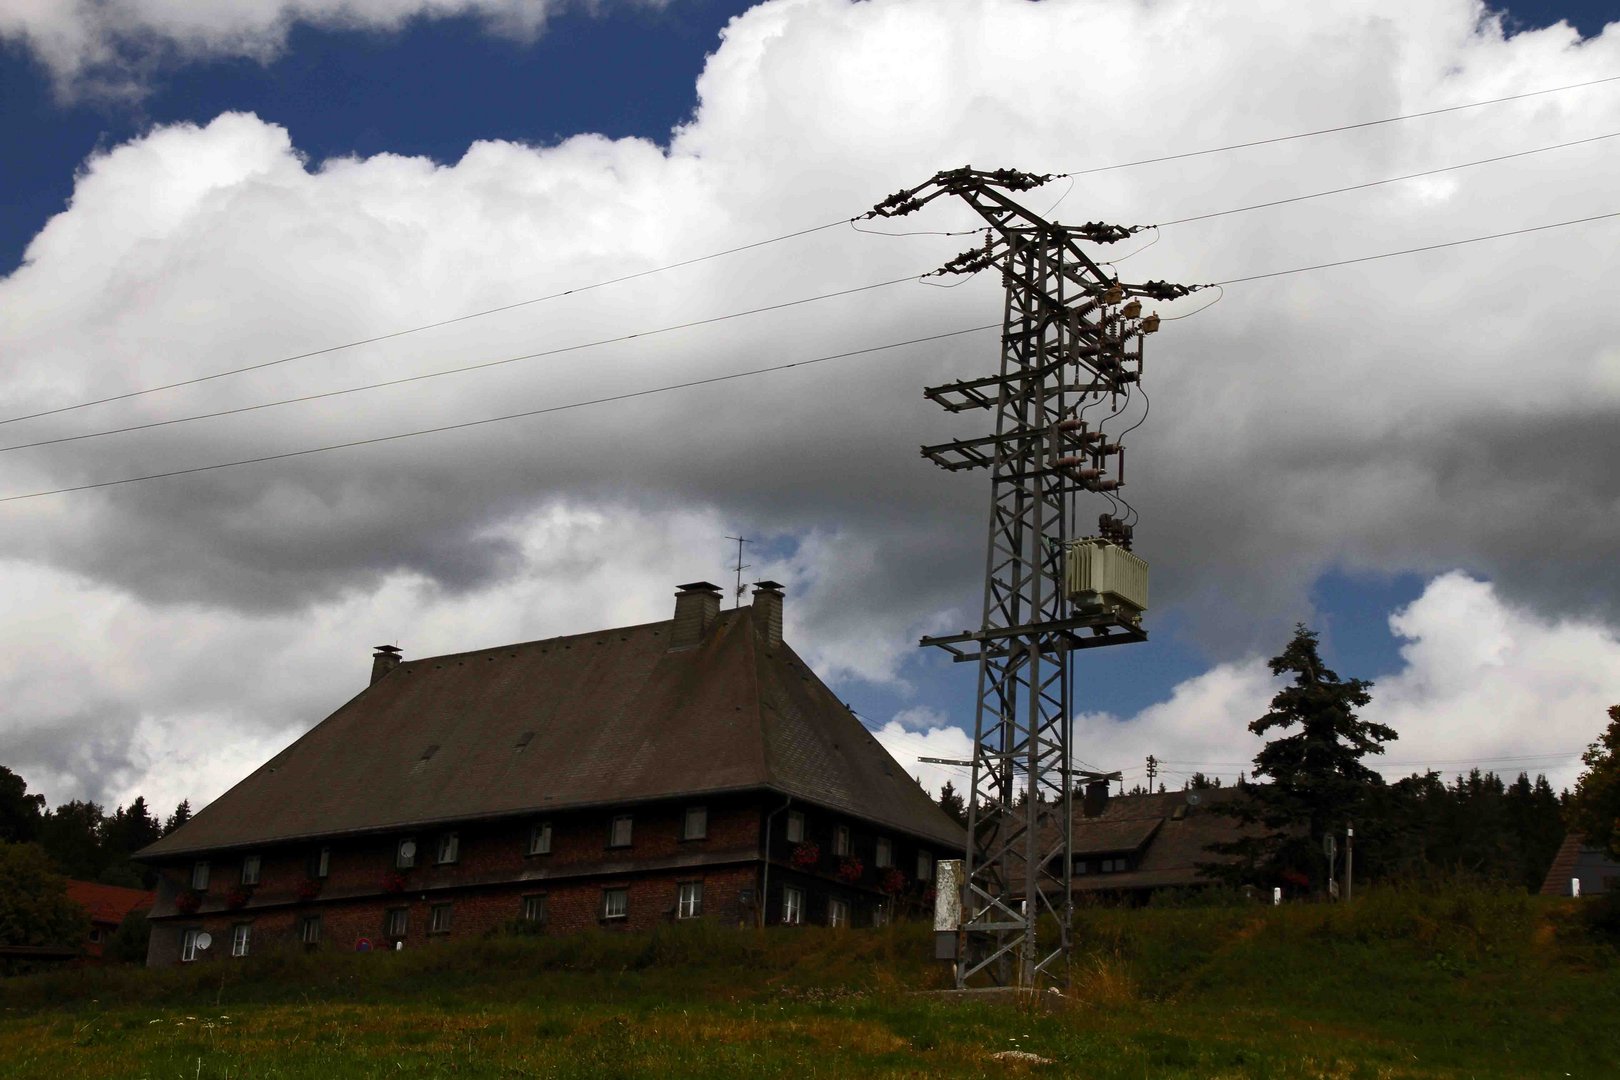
1071,337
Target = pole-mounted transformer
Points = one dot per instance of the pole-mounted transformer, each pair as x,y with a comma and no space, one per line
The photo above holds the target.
1071,339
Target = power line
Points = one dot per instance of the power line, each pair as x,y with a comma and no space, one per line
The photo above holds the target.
718,318
1377,183
425,326
495,419
1415,250
1341,127
746,247
455,370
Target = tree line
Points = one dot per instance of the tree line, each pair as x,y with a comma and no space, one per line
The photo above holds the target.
81,839
1310,781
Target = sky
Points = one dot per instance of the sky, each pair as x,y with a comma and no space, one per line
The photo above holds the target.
1409,455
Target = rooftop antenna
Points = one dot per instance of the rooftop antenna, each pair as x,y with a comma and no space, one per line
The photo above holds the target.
736,599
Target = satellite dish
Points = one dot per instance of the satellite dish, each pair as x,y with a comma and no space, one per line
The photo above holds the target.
408,848
1193,798
204,940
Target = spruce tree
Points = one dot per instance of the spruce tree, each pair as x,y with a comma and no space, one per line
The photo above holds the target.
1594,808
1314,779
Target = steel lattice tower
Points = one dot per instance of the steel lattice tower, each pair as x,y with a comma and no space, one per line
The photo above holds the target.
1070,337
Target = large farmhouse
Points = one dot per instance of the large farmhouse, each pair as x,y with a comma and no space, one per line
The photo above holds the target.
689,768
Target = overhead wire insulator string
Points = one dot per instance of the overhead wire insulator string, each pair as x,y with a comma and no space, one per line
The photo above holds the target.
1340,127
452,371
500,419
419,329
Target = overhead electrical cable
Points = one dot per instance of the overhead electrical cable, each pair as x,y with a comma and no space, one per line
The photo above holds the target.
1416,250
498,419
452,371
749,246
1375,183
1340,127
419,329
762,243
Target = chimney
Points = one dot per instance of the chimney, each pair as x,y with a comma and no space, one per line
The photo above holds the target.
768,612
697,605
384,660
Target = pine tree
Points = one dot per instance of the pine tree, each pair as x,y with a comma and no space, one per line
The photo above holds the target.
950,801
1317,780
1594,808
181,815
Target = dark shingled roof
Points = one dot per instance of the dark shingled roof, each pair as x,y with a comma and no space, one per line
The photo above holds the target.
1165,837
611,717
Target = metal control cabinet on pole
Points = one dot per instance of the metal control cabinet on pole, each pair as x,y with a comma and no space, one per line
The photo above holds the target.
1071,336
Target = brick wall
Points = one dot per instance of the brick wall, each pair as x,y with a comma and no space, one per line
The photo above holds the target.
486,885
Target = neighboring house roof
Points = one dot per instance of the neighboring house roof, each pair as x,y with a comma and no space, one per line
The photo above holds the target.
108,903
1165,836
604,718
1577,860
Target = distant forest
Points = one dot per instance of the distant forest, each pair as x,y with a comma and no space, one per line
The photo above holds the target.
82,839
1477,826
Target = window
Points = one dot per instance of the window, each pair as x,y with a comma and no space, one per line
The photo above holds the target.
309,929
395,923
188,945
689,901
885,852
439,919
540,839
619,832
795,827
250,869
1081,866
615,903
696,825
405,854
534,908
841,841
239,938
792,905
837,913
880,916
320,862
95,934
1114,866
449,847
925,866
199,876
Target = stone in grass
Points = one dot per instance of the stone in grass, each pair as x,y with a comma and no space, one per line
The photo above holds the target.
1022,1056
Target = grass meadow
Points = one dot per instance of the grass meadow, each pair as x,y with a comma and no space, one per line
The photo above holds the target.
1449,982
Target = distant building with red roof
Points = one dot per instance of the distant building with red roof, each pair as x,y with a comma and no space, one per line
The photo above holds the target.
107,906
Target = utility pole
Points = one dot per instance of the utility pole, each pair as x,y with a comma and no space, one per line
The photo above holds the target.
1349,862
736,597
1152,771
1071,338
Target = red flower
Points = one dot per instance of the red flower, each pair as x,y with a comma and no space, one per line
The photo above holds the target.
238,897
1294,877
850,869
894,882
309,888
188,902
393,882
806,856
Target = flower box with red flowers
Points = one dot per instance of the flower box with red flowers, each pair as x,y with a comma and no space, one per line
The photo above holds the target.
238,898
188,902
393,882
850,870
309,889
893,883
805,856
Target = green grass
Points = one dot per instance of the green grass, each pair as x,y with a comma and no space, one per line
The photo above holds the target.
1461,983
